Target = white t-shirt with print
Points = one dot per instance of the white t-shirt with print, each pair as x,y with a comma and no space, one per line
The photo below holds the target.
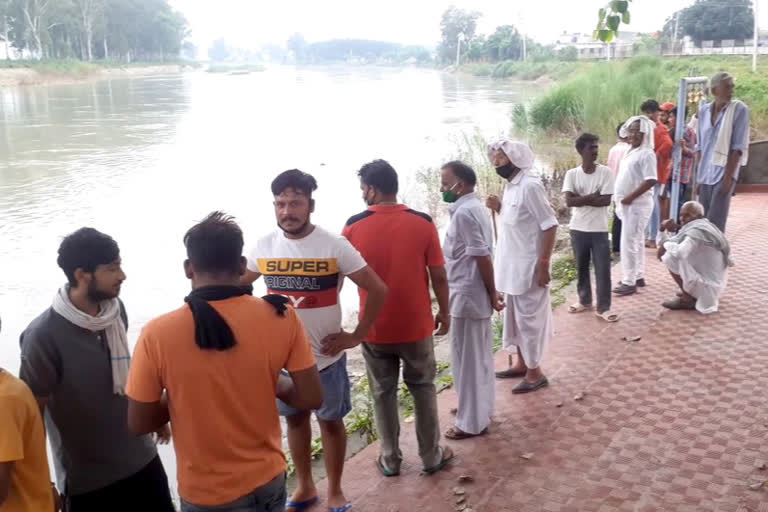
308,271
589,218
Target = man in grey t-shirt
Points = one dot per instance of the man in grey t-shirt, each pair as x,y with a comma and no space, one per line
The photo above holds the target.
74,358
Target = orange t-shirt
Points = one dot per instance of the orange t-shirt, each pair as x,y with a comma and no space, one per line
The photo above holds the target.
398,244
222,404
22,441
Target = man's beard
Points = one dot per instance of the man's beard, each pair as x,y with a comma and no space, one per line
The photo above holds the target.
294,231
96,295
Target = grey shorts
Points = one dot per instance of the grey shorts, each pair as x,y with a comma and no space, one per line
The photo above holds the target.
337,402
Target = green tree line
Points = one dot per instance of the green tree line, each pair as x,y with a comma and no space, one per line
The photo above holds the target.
363,49
92,29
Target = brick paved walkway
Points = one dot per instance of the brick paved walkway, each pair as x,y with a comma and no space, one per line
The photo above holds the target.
677,422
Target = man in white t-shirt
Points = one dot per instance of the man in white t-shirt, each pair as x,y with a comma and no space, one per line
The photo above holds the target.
307,264
588,189
633,197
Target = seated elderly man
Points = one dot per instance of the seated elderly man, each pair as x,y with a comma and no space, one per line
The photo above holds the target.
698,257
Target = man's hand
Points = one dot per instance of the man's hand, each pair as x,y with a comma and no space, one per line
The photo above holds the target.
669,225
661,252
725,188
494,203
497,301
163,434
442,323
627,200
542,273
333,344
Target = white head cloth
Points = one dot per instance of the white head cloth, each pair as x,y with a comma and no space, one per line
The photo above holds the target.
519,154
646,126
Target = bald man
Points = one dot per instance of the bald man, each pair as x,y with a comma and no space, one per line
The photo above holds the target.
698,257
522,262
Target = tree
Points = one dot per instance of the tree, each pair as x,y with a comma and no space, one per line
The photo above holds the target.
708,20
504,44
219,51
454,22
568,54
610,18
189,50
298,46
87,13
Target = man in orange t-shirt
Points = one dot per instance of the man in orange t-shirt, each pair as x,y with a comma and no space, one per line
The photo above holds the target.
213,368
24,477
403,248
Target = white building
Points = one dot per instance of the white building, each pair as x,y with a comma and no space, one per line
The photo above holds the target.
589,48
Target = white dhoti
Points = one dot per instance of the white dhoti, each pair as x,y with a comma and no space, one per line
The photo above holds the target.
634,221
472,356
702,270
528,324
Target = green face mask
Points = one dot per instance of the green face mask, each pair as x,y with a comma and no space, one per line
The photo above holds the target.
449,196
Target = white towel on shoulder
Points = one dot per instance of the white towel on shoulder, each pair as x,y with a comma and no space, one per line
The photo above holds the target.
723,143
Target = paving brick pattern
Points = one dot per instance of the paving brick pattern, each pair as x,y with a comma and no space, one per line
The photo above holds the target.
676,422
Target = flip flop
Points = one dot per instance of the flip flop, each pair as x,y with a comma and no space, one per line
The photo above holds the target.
509,373
444,461
299,506
608,316
578,308
384,470
528,387
455,434
454,411
346,507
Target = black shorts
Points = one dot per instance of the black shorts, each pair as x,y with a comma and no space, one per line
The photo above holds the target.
145,490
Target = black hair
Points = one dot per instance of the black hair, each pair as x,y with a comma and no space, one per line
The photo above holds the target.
674,111
650,106
618,130
379,175
297,180
584,140
215,244
462,171
86,249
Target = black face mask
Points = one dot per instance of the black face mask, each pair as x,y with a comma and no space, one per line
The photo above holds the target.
505,171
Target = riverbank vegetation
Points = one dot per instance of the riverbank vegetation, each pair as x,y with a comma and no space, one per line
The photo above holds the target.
600,95
86,30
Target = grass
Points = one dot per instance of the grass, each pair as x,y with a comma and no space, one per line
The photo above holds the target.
600,95
77,67
529,70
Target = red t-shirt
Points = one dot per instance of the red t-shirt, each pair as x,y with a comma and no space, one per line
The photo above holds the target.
663,146
399,244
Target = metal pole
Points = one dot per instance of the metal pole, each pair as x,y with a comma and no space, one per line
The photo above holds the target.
756,41
677,151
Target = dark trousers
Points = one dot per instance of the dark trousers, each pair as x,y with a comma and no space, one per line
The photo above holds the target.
594,247
616,233
145,490
267,498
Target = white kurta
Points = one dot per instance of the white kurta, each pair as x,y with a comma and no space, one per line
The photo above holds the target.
469,236
525,215
702,269
637,167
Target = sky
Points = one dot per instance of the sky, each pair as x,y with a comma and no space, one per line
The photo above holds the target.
253,23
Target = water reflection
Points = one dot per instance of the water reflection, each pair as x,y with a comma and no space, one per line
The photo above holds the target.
144,158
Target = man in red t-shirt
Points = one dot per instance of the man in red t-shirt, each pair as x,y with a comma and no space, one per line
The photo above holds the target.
662,143
402,246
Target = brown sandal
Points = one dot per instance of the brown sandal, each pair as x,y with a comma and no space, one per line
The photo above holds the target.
455,434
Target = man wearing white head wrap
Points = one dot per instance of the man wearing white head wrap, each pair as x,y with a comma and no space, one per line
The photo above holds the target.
522,267
634,199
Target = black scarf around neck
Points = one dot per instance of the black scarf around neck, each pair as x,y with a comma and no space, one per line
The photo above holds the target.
211,331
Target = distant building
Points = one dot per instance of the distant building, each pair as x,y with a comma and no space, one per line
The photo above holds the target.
722,47
589,48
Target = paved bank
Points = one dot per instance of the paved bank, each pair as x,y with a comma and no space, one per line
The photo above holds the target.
677,421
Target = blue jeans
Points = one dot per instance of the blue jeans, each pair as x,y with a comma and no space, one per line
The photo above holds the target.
267,498
655,221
